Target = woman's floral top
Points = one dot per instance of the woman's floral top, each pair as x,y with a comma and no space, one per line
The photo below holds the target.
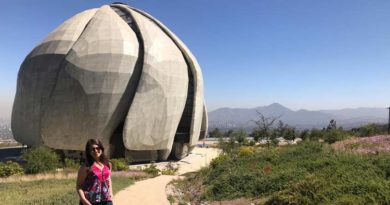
97,185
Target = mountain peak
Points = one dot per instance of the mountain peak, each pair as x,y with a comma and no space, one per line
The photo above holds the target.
278,107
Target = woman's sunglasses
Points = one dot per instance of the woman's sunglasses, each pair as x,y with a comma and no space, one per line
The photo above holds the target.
96,149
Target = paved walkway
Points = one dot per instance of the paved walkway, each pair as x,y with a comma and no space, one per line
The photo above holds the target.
152,191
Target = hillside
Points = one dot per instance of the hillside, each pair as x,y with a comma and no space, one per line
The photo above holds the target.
233,118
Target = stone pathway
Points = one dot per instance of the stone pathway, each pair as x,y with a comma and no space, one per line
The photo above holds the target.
152,191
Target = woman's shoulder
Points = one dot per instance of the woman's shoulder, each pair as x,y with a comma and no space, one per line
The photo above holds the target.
83,171
84,167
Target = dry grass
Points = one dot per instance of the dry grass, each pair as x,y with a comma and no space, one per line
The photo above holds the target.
364,145
41,176
50,188
70,174
132,174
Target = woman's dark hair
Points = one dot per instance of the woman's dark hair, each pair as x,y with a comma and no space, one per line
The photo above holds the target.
88,148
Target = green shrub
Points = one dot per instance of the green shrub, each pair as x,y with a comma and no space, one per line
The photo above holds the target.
119,164
168,172
152,170
71,164
10,168
240,136
229,147
245,151
368,130
250,143
334,135
316,134
39,160
170,169
219,160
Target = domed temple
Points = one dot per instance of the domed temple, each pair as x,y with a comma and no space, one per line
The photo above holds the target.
117,74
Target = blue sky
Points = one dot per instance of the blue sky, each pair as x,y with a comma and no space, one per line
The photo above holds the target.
302,54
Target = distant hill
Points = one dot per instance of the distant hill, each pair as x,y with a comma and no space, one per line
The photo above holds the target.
233,118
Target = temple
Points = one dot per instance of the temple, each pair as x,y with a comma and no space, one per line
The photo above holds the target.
117,74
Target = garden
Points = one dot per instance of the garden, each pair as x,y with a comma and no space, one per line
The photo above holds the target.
329,166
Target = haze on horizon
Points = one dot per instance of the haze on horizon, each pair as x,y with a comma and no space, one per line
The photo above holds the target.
302,54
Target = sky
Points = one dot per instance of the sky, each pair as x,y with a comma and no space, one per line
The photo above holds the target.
303,54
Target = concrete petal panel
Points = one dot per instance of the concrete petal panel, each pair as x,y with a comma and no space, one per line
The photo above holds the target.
62,38
90,97
37,77
158,104
197,75
204,127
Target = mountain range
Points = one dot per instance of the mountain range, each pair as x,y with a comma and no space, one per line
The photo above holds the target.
234,118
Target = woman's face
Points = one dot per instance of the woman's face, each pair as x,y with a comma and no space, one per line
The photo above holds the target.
96,151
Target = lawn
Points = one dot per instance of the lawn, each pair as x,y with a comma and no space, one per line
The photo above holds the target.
52,191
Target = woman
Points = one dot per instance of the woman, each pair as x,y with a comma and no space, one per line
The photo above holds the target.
93,179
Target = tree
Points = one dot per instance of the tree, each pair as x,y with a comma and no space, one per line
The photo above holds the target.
216,133
304,134
289,133
264,129
281,129
332,125
285,131
229,133
255,134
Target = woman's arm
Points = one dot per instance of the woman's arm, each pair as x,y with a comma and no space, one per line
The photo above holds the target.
81,176
111,193
109,181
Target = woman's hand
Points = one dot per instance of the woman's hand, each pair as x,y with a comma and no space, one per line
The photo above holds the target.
85,202
81,176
